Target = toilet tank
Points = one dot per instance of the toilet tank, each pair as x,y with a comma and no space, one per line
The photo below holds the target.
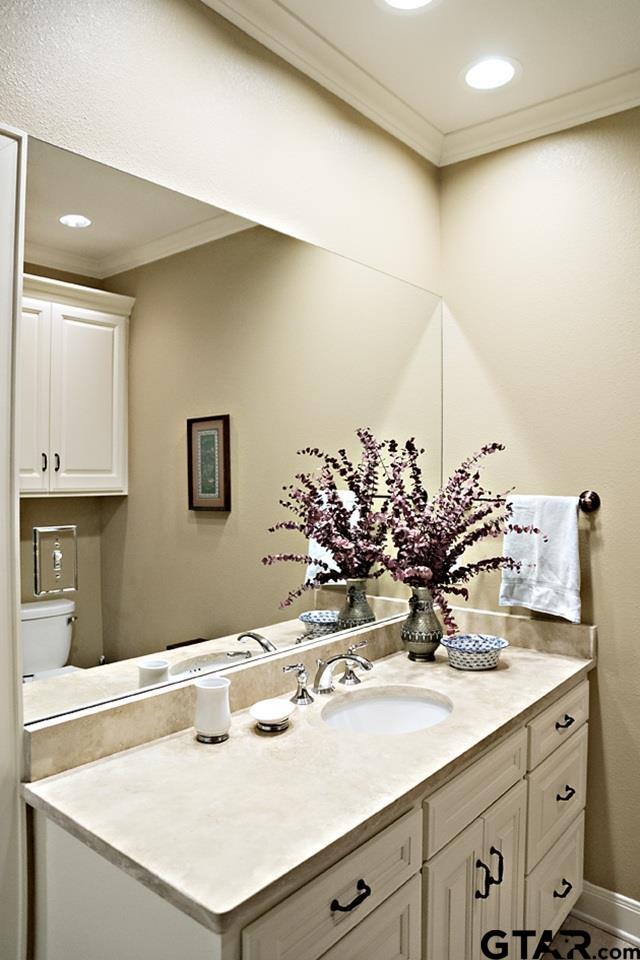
46,634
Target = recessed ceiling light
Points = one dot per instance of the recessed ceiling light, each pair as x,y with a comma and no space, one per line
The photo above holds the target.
407,4
490,73
75,220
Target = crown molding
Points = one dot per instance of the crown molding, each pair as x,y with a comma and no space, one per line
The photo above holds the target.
216,228
278,29
275,27
71,293
46,256
561,113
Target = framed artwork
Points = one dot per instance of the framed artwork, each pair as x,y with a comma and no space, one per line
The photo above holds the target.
209,461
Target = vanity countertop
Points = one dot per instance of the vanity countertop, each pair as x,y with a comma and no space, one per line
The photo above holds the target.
225,831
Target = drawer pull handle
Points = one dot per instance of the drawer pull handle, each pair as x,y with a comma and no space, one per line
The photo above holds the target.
568,887
570,793
365,889
500,856
45,462
489,880
566,723
480,895
57,459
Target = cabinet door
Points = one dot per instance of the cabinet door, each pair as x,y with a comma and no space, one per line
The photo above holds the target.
88,401
33,396
452,910
391,932
504,854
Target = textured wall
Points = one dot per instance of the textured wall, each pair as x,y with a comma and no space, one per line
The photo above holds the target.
170,91
541,247
300,347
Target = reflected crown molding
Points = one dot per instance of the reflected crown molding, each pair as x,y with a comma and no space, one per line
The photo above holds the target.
194,236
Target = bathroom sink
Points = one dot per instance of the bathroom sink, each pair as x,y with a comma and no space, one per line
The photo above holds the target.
391,710
213,661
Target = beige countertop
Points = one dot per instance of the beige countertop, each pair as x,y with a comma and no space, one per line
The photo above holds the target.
225,831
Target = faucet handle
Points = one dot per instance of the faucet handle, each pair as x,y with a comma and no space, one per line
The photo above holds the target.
350,678
302,695
357,646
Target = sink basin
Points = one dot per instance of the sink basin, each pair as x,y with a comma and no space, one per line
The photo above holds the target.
387,710
213,661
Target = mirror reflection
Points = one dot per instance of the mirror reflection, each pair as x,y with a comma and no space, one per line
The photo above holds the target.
174,357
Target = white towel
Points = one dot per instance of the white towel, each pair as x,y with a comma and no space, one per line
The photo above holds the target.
549,580
316,552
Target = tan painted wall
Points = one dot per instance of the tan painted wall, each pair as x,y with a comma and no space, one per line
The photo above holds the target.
300,347
170,91
541,249
85,512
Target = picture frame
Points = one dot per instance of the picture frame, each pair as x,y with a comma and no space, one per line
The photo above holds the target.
209,463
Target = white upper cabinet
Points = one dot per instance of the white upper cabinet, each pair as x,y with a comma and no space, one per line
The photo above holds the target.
72,385
33,395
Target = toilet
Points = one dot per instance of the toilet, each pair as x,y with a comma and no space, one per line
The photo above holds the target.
46,638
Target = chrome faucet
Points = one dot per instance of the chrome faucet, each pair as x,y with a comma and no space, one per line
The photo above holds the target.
267,645
324,681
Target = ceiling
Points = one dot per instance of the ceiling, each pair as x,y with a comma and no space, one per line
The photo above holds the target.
580,59
134,221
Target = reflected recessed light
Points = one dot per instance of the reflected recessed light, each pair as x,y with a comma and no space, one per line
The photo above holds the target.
407,4
490,73
76,220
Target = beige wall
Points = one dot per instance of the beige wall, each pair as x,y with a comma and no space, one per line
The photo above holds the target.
541,250
170,91
85,512
300,347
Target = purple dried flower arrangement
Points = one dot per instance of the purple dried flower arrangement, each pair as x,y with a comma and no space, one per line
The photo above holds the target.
430,538
355,536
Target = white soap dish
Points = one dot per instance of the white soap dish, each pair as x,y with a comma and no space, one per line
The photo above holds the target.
272,716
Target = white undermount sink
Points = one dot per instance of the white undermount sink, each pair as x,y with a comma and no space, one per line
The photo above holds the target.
381,710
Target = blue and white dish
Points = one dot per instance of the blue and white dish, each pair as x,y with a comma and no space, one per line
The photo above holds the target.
320,622
474,651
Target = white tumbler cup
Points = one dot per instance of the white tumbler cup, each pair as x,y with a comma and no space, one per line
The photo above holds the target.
153,670
213,716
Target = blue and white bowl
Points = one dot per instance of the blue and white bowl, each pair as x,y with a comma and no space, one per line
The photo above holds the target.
474,651
320,622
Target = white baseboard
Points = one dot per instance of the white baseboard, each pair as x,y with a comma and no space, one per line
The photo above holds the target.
610,911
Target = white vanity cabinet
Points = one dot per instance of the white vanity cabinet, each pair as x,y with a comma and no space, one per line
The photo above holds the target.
72,390
497,847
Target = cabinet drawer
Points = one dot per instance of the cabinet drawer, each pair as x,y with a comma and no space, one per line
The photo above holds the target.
450,809
557,793
556,883
557,723
392,932
305,926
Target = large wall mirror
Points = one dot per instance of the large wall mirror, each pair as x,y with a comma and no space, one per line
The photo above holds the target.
296,345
